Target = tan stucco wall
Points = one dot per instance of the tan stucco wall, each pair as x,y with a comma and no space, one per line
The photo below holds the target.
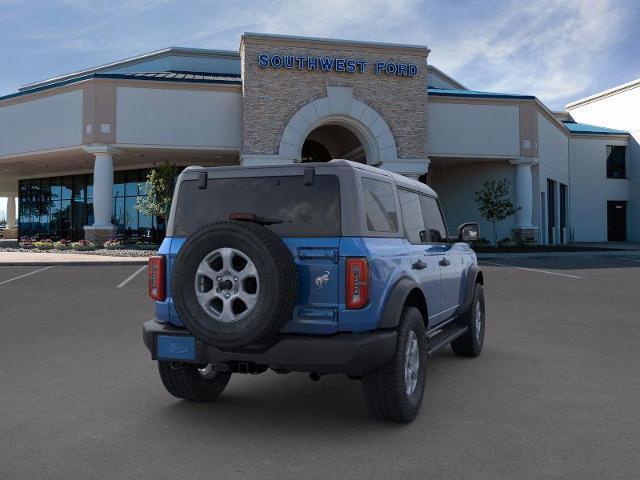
272,96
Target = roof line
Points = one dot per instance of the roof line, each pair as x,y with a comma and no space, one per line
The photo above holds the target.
604,93
442,92
131,61
447,77
334,40
121,76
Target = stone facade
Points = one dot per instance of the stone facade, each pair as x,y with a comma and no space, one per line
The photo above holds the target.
272,96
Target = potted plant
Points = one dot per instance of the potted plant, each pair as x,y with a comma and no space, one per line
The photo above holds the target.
83,245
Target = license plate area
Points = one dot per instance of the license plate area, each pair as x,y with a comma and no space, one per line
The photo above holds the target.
176,347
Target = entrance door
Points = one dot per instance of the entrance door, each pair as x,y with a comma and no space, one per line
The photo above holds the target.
617,221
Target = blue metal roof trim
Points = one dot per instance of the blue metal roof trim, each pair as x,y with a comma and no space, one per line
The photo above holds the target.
585,128
226,79
444,92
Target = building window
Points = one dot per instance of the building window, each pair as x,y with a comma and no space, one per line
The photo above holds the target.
59,207
616,161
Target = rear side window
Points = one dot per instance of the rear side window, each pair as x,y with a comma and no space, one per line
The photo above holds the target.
306,210
379,205
433,219
412,217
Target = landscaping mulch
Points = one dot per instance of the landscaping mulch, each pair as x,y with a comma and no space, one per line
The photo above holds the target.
129,252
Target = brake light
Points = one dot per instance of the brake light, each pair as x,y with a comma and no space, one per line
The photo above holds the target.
357,282
156,277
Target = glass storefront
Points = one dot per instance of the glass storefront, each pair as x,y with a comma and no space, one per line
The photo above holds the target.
59,207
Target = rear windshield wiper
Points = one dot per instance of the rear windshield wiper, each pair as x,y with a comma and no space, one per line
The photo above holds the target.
252,217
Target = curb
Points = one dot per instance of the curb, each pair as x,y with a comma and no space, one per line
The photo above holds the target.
81,263
617,253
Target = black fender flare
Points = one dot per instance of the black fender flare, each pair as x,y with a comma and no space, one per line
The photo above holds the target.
474,275
396,301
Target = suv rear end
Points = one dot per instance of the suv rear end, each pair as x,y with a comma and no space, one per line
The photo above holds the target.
314,211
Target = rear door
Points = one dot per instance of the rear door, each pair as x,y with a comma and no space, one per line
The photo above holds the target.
424,257
450,261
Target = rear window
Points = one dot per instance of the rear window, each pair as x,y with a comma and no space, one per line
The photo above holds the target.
306,210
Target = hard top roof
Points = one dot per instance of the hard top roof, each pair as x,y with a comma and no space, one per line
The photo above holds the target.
400,180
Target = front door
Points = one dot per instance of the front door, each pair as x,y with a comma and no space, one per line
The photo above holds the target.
617,221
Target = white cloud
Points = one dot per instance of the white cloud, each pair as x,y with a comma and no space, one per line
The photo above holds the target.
546,48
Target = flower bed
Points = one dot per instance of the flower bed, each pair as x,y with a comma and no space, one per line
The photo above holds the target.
83,245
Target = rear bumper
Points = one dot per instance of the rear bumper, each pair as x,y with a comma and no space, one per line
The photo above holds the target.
350,353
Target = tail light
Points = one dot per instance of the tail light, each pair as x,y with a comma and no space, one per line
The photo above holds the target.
157,277
357,282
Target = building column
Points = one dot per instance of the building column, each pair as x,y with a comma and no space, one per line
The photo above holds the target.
102,228
11,232
11,211
524,229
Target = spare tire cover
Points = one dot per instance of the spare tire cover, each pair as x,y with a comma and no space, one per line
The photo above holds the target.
234,284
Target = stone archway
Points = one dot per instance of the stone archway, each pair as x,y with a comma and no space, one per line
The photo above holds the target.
340,108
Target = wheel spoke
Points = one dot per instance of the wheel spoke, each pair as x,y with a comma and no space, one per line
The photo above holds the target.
248,271
248,298
205,270
226,255
204,298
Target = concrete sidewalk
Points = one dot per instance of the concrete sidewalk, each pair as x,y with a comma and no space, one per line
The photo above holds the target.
35,259
635,254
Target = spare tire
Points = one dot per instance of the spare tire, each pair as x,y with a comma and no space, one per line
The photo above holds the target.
234,284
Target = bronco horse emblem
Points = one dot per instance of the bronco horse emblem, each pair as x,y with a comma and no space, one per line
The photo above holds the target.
322,280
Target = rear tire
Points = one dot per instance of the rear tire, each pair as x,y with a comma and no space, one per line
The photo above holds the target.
184,380
470,344
387,390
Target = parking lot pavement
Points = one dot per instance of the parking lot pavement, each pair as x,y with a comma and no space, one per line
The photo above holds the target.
553,395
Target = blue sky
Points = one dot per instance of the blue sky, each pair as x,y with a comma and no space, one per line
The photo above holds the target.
557,50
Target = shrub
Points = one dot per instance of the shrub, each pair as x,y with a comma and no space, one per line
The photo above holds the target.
26,242
45,244
83,245
113,244
62,245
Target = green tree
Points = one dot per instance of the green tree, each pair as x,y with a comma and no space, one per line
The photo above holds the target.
159,189
494,203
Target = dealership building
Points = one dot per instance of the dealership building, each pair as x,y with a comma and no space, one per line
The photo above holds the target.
75,149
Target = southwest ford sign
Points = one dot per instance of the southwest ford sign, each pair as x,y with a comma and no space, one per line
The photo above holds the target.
334,64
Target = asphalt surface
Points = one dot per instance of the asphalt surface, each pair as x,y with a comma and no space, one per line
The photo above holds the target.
555,393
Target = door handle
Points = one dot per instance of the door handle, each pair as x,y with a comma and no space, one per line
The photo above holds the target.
419,265
444,262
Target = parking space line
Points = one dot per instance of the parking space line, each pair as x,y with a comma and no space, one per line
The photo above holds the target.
131,277
530,269
25,275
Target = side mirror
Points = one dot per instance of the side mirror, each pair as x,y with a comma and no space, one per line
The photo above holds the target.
468,232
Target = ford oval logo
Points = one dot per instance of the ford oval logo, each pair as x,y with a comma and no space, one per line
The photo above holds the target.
177,348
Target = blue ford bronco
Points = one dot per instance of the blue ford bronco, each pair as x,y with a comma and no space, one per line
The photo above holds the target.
334,267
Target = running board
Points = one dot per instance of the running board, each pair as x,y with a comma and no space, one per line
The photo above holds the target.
444,338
